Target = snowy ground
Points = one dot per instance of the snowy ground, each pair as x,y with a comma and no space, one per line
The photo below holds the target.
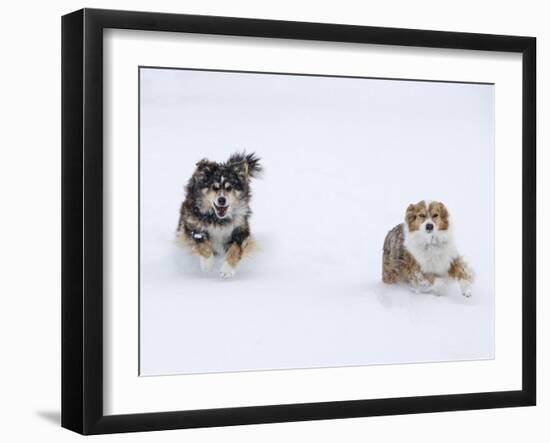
343,159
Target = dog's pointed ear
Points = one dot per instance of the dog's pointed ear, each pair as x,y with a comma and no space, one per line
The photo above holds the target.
204,164
204,169
245,165
240,168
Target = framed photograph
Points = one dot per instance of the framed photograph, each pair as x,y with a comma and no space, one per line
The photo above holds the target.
269,221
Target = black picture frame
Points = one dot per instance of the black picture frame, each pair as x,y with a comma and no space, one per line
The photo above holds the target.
82,220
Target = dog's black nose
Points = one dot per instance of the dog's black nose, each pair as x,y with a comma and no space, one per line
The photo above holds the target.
429,227
221,201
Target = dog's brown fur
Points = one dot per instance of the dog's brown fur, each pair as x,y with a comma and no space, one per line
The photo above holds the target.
459,270
398,264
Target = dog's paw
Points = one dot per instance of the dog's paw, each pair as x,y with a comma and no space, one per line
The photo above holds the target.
465,288
227,271
207,264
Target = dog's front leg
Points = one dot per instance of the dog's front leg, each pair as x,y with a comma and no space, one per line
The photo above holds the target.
207,263
232,259
203,248
235,249
460,271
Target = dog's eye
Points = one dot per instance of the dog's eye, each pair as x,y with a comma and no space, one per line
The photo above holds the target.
435,215
228,188
422,215
216,188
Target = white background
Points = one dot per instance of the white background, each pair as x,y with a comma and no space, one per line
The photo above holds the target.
343,158
30,194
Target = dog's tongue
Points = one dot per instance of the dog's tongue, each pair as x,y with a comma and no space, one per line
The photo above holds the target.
221,210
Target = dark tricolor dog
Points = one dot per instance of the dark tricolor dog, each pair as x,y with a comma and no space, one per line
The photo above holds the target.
215,213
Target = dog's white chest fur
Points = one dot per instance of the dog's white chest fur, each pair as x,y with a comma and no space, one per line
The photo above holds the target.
433,257
219,236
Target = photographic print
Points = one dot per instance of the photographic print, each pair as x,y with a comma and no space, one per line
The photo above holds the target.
273,221
292,221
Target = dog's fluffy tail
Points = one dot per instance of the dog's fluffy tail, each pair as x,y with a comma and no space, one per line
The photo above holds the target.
252,161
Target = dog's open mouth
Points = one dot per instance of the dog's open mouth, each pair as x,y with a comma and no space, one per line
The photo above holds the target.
221,211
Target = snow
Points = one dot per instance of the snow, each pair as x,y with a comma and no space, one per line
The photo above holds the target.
343,158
